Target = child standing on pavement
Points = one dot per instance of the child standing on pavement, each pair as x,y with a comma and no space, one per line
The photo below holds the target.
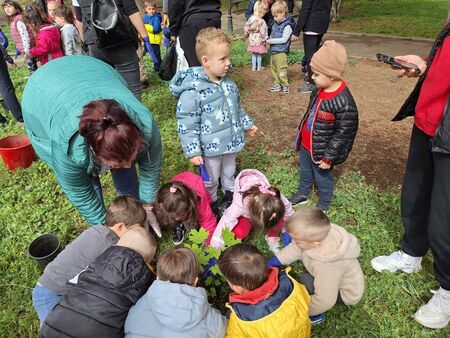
280,43
255,31
327,130
211,122
152,21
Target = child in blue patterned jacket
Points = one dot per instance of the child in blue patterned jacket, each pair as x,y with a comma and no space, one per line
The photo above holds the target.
211,122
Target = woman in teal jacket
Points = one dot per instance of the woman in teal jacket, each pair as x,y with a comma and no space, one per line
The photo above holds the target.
82,120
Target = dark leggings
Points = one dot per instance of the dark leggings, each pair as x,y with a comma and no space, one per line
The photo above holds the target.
7,92
307,280
311,44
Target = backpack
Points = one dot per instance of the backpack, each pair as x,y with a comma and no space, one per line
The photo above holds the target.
112,26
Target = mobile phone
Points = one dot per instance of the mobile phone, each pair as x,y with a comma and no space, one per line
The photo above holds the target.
397,63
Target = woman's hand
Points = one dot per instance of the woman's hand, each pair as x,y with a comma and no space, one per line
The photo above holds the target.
151,220
294,38
414,59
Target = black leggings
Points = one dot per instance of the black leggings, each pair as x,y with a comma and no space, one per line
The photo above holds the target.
311,44
8,93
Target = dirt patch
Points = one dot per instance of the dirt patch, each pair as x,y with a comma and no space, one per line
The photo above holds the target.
381,146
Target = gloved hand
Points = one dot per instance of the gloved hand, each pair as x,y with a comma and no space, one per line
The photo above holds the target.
286,239
207,270
204,173
217,242
274,262
17,52
148,49
4,43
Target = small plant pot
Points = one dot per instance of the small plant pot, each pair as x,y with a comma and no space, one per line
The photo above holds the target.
16,152
44,249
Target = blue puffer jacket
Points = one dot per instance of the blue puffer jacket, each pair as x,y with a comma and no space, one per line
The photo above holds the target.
210,119
277,33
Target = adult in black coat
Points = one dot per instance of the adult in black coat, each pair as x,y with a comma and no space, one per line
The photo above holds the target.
187,18
97,306
313,21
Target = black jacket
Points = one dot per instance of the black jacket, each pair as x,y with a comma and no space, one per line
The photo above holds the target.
441,141
268,18
97,306
314,17
334,127
182,12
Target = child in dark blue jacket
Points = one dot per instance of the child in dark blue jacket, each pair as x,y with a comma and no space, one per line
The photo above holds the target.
152,21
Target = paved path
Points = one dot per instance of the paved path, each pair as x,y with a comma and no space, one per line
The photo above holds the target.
358,45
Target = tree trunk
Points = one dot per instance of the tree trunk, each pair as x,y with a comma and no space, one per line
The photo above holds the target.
335,10
448,15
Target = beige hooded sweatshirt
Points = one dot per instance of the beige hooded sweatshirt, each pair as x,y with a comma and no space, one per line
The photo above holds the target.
334,266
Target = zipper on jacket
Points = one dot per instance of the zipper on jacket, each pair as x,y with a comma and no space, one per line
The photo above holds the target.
319,102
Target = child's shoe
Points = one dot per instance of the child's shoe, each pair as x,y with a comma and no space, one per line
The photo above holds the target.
179,233
285,89
308,89
317,319
253,69
397,260
298,198
273,243
227,199
436,313
260,69
274,88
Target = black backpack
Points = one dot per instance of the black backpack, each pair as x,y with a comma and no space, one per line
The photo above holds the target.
169,64
112,26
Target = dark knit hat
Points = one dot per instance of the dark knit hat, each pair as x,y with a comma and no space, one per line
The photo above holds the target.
330,59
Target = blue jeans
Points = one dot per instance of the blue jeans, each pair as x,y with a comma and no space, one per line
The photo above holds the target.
125,181
256,61
44,301
310,172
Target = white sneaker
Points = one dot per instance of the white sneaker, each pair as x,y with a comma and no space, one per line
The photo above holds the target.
436,313
274,244
397,260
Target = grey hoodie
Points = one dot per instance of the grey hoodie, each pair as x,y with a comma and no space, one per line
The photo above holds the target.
174,310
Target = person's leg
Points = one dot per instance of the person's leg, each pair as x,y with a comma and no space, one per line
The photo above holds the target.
274,70
306,173
242,228
8,93
227,172
142,71
157,51
213,166
307,280
416,195
254,62
283,69
310,47
126,181
44,301
259,61
325,183
95,181
290,4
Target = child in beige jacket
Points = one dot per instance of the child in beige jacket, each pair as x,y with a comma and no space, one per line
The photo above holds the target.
330,256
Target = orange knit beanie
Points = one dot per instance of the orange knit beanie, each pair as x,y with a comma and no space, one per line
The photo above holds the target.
330,59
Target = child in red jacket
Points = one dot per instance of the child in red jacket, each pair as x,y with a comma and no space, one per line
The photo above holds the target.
48,39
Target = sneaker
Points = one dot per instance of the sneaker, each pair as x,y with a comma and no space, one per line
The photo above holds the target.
285,89
397,260
179,233
436,313
274,88
253,69
298,198
260,69
308,89
317,319
273,243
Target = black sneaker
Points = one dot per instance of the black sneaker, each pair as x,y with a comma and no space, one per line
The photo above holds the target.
217,210
298,198
178,234
308,89
226,199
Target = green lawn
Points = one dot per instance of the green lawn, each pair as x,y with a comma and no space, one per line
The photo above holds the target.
33,204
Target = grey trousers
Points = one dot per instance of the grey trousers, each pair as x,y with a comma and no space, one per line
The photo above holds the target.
223,167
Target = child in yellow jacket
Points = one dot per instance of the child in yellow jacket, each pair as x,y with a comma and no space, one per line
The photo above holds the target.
263,297
152,22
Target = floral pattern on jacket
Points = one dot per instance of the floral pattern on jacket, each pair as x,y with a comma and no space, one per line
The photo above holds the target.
255,31
210,119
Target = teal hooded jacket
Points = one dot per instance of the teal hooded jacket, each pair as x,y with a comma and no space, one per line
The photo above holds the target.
52,103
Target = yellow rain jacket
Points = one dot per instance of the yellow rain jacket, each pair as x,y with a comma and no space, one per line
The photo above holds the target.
290,320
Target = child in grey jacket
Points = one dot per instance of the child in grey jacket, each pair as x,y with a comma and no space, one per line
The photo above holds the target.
122,213
211,122
173,306
71,41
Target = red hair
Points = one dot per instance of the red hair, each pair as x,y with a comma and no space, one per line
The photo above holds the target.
110,132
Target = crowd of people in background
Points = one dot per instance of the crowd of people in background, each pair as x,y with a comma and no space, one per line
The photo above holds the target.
94,122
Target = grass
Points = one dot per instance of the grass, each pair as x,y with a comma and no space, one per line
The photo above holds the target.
33,204
410,18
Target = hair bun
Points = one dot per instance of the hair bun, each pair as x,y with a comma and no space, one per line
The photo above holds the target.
106,122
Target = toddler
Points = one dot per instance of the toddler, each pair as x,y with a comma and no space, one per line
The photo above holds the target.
211,122
330,256
71,41
22,36
174,306
185,202
255,31
153,21
280,43
255,203
266,302
48,40
122,213
97,301
328,128
52,6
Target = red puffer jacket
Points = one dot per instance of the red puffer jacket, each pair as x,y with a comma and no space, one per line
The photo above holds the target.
48,44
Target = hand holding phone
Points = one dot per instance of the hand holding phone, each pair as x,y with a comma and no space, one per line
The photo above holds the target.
399,64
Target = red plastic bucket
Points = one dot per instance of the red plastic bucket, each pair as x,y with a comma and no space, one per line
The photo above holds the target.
16,152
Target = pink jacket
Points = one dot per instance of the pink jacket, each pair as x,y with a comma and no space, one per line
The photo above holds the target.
48,44
205,218
245,180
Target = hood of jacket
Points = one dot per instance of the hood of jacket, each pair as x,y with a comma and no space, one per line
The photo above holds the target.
178,306
338,245
246,179
254,24
193,78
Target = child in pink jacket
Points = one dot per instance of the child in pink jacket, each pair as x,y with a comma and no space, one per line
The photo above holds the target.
255,203
48,39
